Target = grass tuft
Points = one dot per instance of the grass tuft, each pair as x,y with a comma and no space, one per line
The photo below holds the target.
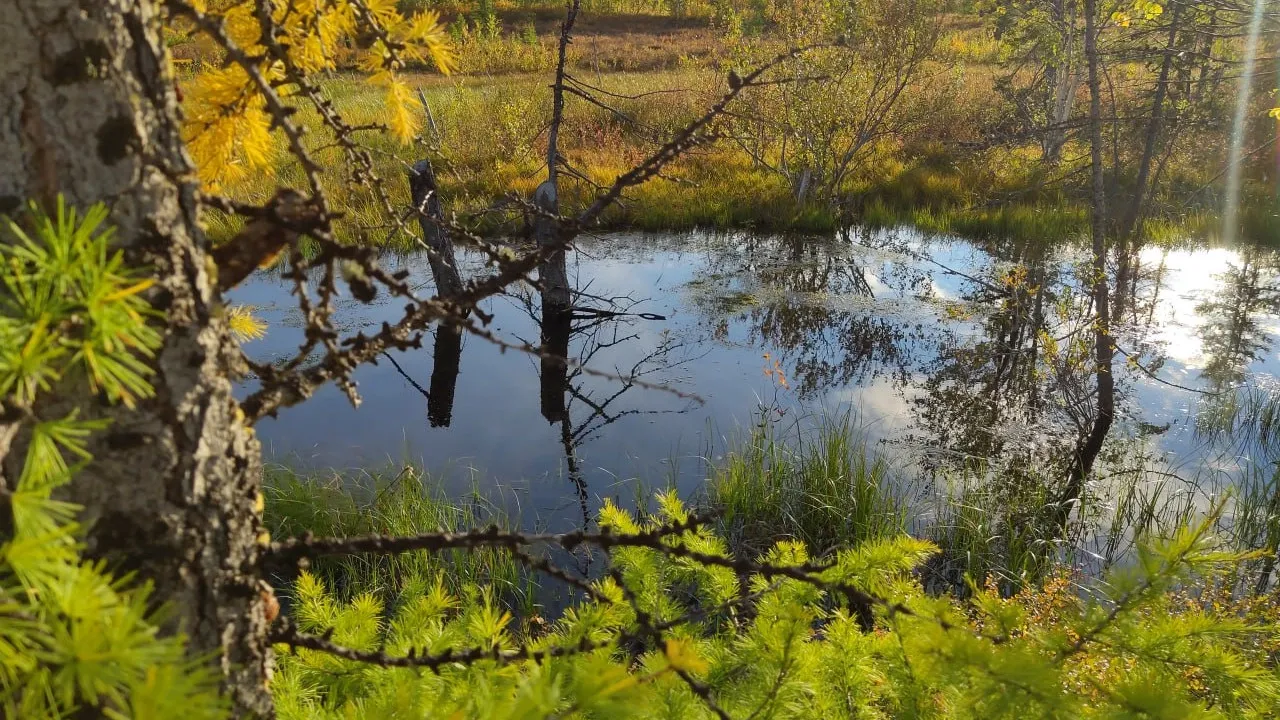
821,485
390,501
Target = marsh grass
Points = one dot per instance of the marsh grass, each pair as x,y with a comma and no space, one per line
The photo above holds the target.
991,527
1255,522
491,144
819,480
1260,222
819,484
489,141
824,484
610,38
993,195
391,501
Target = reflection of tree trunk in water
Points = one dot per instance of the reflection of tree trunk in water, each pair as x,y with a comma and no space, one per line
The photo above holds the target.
1104,347
555,327
444,376
1124,298
1243,304
575,469
1017,342
1037,322
1157,285
1131,225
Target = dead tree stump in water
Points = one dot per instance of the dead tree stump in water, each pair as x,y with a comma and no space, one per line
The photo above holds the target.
556,304
444,268
551,272
426,202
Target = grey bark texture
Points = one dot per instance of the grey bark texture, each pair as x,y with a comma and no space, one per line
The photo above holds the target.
553,273
426,202
90,111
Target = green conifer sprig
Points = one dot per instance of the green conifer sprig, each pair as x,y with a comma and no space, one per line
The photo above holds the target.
1131,649
73,638
70,305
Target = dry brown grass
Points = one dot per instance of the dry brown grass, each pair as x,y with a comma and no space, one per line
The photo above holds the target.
602,43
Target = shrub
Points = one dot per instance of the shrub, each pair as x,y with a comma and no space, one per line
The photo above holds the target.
665,635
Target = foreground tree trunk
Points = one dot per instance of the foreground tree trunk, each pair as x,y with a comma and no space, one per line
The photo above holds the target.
90,112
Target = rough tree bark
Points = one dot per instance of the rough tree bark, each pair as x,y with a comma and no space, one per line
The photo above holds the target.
425,194
553,274
1104,346
90,112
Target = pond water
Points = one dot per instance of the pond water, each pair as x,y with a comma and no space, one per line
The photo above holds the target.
946,350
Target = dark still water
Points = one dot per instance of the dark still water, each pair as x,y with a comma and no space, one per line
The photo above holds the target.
947,351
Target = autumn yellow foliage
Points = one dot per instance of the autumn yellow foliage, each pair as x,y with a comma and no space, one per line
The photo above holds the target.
229,125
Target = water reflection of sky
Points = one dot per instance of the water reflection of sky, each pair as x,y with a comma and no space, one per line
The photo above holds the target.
1191,278
1201,295
860,322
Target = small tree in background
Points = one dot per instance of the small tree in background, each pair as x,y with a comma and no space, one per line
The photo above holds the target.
816,125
